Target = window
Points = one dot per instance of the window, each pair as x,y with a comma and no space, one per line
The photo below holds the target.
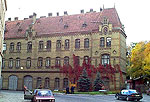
47,82
28,63
57,63
102,42
10,62
3,63
29,46
17,62
105,59
66,60
105,30
18,47
40,62
86,43
58,44
48,45
86,59
67,44
11,47
39,82
65,84
41,45
48,62
77,43
56,83
108,42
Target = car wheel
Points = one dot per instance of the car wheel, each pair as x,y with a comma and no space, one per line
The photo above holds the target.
117,97
138,99
127,98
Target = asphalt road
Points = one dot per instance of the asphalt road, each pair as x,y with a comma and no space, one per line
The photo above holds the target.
17,96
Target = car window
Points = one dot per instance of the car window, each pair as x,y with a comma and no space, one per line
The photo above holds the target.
44,93
132,91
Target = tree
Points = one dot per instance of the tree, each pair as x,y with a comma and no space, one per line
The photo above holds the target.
98,82
84,82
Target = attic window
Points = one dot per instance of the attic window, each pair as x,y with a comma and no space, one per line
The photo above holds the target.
84,24
65,25
18,24
19,30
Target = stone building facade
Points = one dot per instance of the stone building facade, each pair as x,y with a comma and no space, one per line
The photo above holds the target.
3,8
37,46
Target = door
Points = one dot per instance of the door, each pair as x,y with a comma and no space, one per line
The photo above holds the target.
1,82
28,82
13,80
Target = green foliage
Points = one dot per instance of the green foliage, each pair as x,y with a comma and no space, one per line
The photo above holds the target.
84,82
98,82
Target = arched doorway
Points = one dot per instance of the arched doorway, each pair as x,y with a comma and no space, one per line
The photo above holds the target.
28,82
13,82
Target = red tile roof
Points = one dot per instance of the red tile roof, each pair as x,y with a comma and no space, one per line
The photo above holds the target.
55,25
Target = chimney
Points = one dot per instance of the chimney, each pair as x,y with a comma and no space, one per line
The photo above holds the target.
9,19
31,16
65,13
34,18
57,13
91,10
82,11
50,14
101,9
16,18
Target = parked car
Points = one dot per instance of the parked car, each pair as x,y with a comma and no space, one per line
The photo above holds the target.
40,95
129,94
148,91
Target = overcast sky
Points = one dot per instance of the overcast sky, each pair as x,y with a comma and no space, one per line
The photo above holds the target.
134,14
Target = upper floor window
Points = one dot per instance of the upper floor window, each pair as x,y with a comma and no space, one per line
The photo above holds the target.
108,42
48,62
86,59
48,44
11,47
67,44
17,62
41,45
29,46
65,83
57,83
105,30
66,60
57,62
10,64
77,43
86,43
102,42
58,44
105,59
3,63
18,46
28,63
40,62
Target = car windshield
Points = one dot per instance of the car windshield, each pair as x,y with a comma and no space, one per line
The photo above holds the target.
132,91
44,93
128,92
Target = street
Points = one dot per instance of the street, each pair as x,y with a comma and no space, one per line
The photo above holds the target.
17,96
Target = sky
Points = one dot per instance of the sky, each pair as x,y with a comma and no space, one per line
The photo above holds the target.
134,14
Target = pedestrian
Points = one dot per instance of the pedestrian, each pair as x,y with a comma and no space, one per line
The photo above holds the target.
67,90
40,87
72,89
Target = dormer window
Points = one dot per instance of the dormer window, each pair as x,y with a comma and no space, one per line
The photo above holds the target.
84,24
105,20
65,25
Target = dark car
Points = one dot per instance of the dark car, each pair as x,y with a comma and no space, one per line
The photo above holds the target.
129,94
40,95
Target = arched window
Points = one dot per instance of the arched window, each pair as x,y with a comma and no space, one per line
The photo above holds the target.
105,59
86,43
58,45
57,62
18,47
105,30
67,44
40,62
11,47
108,42
48,62
10,62
3,63
17,62
48,45
57,83
39,82
77,43
86,59
47,83
102,42
28,63
66,60
29,46
65,84
41,45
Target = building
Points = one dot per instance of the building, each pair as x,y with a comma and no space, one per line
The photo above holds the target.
37,46
3,8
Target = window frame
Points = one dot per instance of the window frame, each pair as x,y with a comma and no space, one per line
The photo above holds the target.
17,62
29,46
10,64
108,43
102,42
18,47
41,45
47,62
11,49
57,62
86,43
40,62
105,58
58,44
67,44
48,45
28,62
66,60
77,43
